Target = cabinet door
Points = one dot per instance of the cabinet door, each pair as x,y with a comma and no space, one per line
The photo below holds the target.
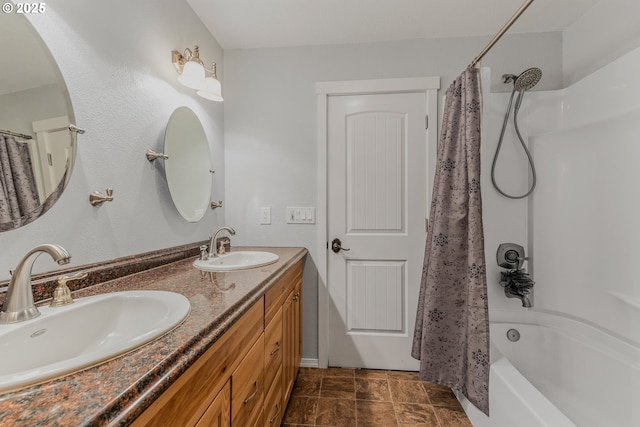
218,414
297,328
289,347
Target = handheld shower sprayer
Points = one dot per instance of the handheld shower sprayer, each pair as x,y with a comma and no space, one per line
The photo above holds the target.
525,81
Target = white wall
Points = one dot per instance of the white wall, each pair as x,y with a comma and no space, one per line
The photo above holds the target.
608,30
19,109
115,58
270,125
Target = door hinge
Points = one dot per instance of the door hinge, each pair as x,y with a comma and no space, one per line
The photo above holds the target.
426,121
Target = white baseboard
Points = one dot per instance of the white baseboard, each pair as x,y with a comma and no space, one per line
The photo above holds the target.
309,363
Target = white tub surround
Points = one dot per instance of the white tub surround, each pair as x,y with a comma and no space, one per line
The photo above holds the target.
584,212
580,344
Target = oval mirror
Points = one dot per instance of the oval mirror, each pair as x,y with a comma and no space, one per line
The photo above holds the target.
188,167
37,150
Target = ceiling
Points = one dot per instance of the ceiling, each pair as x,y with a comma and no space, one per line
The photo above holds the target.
238,24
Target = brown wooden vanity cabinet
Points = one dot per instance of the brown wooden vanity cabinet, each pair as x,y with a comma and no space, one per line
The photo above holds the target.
245,378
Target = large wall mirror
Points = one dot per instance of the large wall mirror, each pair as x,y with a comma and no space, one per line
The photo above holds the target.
188,166
37,150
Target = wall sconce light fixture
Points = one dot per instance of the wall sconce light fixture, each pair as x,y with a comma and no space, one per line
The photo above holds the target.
193,74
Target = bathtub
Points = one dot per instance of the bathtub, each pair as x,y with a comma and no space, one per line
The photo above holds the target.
560,373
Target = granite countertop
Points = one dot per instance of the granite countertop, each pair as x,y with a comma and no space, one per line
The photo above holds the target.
118,391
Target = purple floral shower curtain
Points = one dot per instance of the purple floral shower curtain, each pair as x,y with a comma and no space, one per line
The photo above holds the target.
452,326
18,192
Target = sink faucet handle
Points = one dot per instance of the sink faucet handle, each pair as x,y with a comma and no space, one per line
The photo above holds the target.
62,280
204,252
62,294
222,246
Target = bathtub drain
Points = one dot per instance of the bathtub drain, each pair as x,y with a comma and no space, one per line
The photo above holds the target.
513,335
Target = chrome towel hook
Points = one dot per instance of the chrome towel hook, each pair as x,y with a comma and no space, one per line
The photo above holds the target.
152,155
97,199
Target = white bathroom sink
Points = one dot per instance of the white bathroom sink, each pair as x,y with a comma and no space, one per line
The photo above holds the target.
239,260
89,331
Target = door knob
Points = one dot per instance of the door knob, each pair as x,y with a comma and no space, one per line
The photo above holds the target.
336,246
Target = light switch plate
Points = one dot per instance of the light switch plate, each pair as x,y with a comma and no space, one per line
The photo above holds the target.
265,216
301,215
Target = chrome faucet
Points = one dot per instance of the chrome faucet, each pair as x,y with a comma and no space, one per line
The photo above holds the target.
18,304
213,251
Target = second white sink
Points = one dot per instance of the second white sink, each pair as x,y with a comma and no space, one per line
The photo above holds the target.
89,331
239,260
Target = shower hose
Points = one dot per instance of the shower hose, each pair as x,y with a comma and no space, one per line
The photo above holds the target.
526,150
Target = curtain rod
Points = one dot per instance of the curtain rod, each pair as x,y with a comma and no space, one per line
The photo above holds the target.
19,135
503,30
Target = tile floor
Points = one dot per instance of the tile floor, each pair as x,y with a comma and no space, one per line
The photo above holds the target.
338,397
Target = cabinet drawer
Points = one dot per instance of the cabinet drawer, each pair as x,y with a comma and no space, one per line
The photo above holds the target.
247,387
273,348
273,404
275,297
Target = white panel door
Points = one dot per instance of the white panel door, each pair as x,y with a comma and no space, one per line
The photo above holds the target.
50,153
377,192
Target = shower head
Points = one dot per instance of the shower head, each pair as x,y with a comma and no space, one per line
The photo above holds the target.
528,79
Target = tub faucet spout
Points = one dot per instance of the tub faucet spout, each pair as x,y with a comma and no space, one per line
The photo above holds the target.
18,304
526,302
213,251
